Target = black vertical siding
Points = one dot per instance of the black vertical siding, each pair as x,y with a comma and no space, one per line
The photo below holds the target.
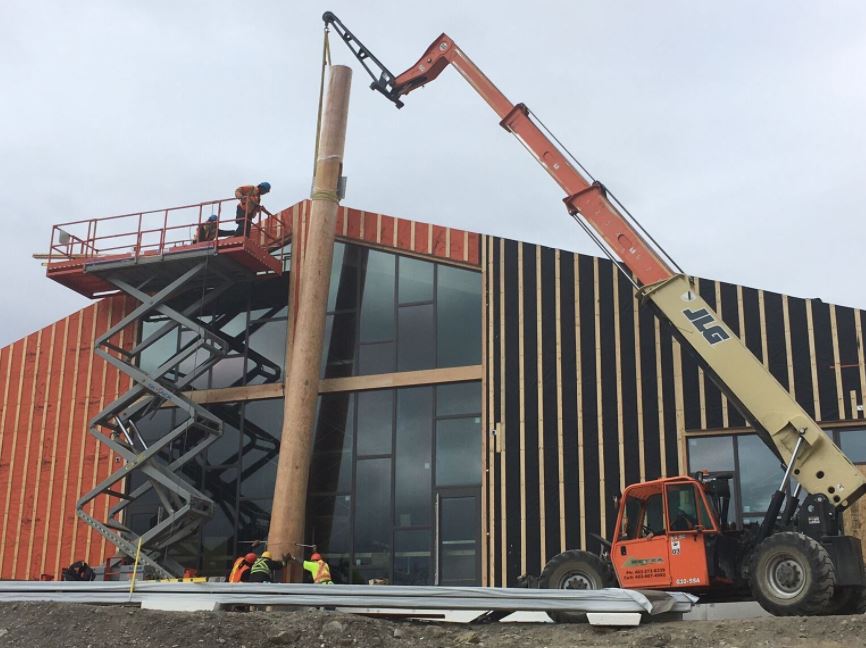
610,431
629,379
712,394
650,394
777,353
551,428
573,469
530,399
730,313
669,433
579,371
512,415
849,363
825,364
591,471
800,355
498,417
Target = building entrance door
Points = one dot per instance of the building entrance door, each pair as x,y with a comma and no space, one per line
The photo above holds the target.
458,542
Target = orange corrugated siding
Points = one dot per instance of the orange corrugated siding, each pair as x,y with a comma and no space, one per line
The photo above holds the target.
51,384
386,231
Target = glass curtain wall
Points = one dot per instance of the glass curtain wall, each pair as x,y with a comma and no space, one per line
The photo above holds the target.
251,317
237,472
381,463
757,471
389,313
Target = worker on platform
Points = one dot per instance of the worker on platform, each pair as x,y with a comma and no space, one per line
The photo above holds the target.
249,205
265,568
240,572
318,568
208,230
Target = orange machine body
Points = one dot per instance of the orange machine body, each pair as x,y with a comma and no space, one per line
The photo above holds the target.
662,535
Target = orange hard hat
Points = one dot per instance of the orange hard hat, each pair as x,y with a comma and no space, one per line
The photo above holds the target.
251,557
316,556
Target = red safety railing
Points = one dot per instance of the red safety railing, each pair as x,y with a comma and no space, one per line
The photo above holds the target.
155,232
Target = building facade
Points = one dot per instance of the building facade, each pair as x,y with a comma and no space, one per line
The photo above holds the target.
481,402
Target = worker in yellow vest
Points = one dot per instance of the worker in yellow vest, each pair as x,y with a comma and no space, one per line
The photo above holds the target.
318,568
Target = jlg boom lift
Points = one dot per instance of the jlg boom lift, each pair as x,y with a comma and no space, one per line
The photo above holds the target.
674,533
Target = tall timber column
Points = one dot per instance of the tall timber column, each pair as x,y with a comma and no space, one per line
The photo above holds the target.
302,376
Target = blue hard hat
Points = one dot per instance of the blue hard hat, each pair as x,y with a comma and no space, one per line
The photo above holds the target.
264,187
213,218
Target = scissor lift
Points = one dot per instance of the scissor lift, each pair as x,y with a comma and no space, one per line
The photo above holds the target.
154,263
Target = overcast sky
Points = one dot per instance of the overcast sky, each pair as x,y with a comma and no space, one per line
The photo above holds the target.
733,130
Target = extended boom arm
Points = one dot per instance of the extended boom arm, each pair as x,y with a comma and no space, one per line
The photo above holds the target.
780,421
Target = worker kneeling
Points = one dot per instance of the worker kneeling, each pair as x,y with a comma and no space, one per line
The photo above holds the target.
240,572
318,568
265,568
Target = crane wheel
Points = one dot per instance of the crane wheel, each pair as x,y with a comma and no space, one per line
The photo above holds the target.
574,569
792,574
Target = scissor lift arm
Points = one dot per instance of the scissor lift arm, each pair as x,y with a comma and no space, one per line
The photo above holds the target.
818,465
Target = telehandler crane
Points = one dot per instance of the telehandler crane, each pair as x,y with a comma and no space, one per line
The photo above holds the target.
674,533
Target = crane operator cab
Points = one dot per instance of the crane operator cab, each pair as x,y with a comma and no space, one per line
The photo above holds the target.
668,533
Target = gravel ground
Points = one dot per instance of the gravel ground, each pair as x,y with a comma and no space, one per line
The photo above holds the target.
59,625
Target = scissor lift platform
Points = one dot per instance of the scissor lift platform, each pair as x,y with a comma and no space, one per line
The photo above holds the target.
236,255
153,257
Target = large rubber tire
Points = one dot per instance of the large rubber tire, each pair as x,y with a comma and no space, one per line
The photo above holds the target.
791,575
574,569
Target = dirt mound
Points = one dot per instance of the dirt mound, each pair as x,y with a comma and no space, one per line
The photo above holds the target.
57,625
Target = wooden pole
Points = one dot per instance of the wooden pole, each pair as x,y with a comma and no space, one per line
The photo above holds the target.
302,375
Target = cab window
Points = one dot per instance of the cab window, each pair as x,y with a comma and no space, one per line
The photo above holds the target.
686,509
655,515
643,517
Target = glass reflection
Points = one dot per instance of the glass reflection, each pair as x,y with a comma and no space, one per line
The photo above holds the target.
412,557
372,520
375,422
416,281
458,317
413,474
458,451
377,297
760,473
416,348
853,444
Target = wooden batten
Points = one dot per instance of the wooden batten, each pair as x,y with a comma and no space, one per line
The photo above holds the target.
539,365
560,445
522,400
503,486
813,360
599,401
837,363
581,465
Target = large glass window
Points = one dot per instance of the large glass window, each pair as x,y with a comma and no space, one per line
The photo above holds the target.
397,452
250,317
760,474
414,459
372,519
236,471
388,312
756,471
375,422
458,318
853,444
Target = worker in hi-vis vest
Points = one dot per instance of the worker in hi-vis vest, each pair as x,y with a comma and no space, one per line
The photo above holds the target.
318,568
240,572
264,570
